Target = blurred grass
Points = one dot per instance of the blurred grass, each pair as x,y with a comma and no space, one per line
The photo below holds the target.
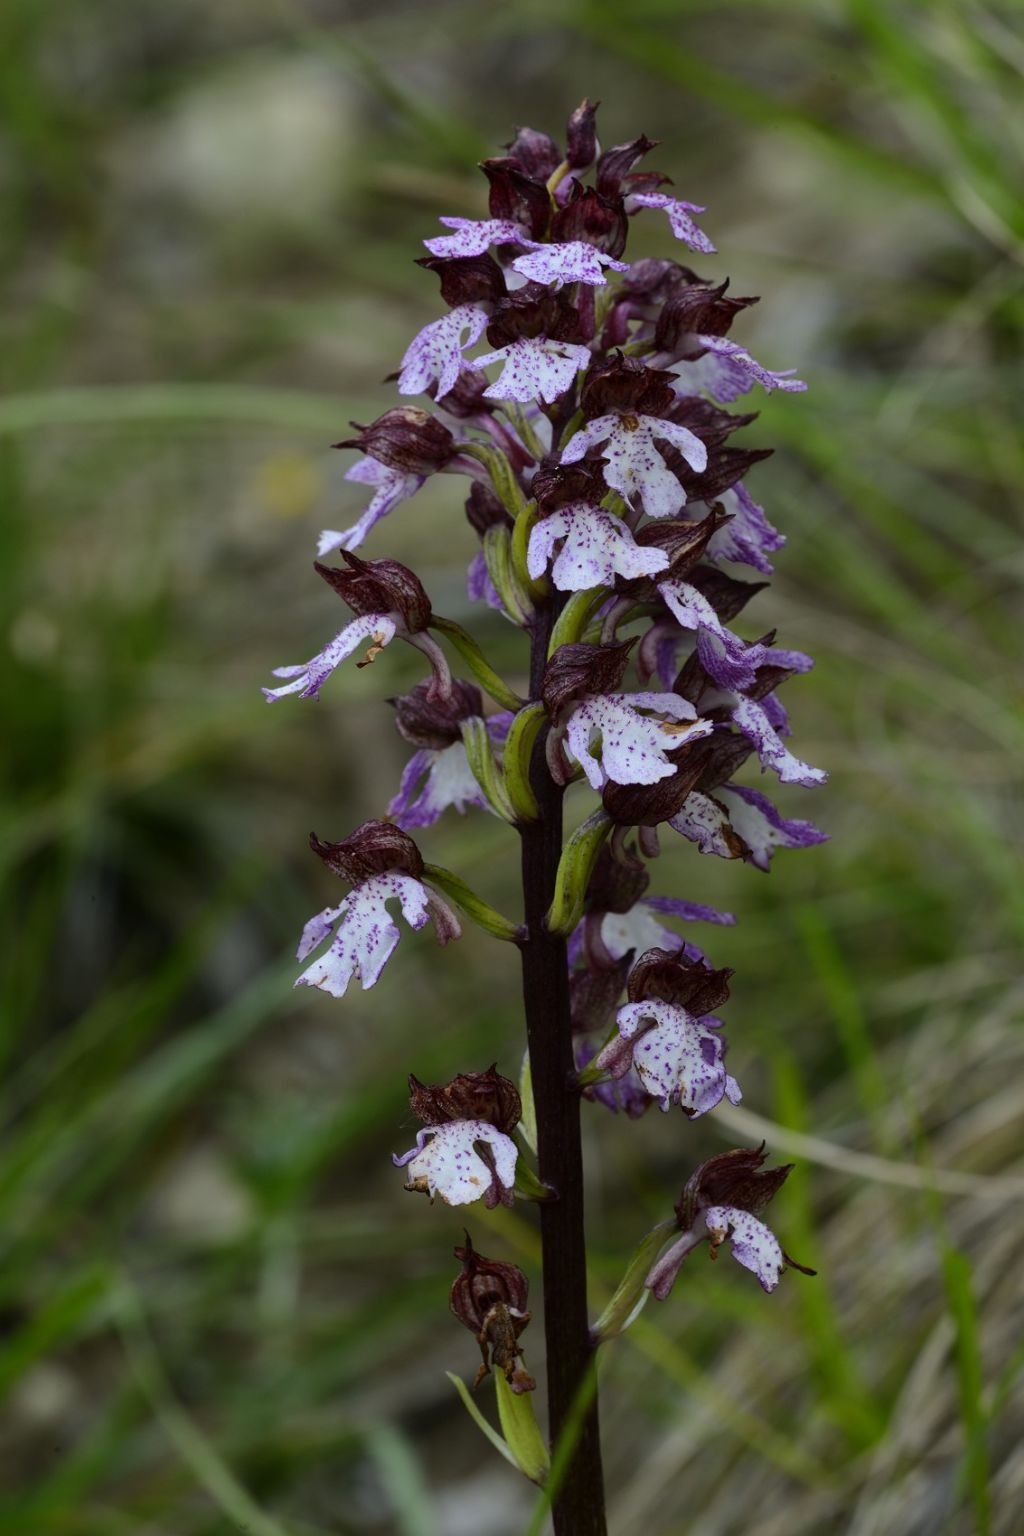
217,1309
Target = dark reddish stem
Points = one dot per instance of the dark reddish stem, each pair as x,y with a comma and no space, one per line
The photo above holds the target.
579,1502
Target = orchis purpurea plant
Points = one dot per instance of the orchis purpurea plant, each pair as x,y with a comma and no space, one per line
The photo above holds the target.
611,513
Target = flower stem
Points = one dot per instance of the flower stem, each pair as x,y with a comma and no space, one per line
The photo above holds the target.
579,1501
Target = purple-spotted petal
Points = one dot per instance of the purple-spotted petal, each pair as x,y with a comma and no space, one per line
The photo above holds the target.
473,237
308,678
678,1058
479,586
689,911
705,821
436,353
763,828
572,262
534,368
748,537
611,739
679,217
753,721
596,547
727,659
633,465
753,1244
391,486
431,783
445,1161
366,933
721,346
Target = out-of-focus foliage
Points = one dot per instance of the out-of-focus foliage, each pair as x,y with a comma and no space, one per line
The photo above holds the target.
218,1309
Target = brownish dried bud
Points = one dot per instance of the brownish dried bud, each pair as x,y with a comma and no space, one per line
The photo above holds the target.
697,309
372,849
672,978
616,163
581,135
467,397
489,1298
533,310
405,438
535,153
515,195
467,279
684,543
582,668
557,485
594,994
712,425
625,384
616,884
379,586
729,751
470,1096
731,1178
725,467
433,723
484,509
596,220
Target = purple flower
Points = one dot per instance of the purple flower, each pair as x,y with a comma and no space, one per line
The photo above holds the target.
473,237
639,929
445,1161
365,934
748,536
678,1058
391,486
754,1245
682,225
753,720
436,353
728,370
728,660
308,678
433,781
596,547
763,828
633,465
534,366
573,262
479,586
612,739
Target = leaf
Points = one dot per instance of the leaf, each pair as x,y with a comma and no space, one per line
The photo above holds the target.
522,1432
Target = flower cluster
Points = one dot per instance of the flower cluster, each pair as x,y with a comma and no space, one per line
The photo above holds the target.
584,398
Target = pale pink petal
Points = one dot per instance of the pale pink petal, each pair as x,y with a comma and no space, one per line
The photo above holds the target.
431,783
727,659
679,217
678,1058
473,237
753,1244
597,547
436,353
391,486
445,1161
572,262
723,347
588,437
763,828
705,821
610,739
366,933
534,368
771,749
748,537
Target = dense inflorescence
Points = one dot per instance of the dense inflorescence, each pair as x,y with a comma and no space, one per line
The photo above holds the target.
584,398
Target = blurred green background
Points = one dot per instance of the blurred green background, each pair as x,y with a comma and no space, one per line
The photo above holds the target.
218,1310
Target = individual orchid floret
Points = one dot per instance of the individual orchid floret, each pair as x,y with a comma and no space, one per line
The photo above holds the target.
596,546
535,368
489,1297
435,354
625,737
724,1200
638,398
622,1095
438,775
762,827
575,261
748,537
730,371
729,661
372,630
753,720
404,446
641,928
680,217
383,864
473,237
465,1151
390,488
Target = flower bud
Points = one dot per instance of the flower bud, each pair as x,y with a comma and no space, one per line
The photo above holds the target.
615,164
594,994
467,397
432,723
581,136
489,1298
515,195
470,1096
379,586
684,543
535,153
697,309
533,310
467,279
616,884
725,467
729,751
593,219
711,424
625,384
372,849
484,509
672,978
405,438
558,485
731,1178
582,668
